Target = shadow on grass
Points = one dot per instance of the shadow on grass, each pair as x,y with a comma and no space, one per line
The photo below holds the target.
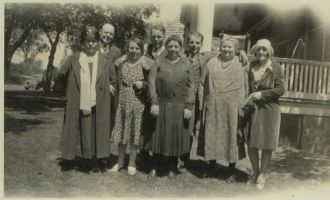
31,102
197,168
201,169
301,165
17,126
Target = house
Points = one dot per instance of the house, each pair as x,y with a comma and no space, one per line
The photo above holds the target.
301,41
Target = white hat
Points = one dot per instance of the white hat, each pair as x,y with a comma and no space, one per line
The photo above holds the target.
263,43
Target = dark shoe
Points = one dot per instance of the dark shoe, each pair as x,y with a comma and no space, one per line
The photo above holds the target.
172,175
67,165
84,169
211,170
102,164
252,180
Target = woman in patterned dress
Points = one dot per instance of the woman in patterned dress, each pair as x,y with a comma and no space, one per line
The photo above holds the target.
222,85
266,85
172,95
132,89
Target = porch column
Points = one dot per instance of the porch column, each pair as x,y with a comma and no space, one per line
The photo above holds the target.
204,23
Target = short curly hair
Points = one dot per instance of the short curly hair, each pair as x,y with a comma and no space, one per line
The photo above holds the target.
173,38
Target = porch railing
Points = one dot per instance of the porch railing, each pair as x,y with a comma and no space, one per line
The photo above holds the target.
306,79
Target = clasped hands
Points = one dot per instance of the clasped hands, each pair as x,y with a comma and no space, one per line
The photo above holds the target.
255,95
187,114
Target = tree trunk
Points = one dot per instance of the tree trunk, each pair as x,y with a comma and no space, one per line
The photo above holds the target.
7,65
50,65
10,49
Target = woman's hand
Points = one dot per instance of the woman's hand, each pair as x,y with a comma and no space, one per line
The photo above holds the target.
138,85
187,114
256,95
154,110
112,90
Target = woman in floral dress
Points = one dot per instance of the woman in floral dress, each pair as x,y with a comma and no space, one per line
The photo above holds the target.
131,70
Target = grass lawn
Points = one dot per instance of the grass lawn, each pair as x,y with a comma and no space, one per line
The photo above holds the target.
32,130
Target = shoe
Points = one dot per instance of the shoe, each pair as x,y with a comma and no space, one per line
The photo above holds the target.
131,170
171,175
231,179
252,180
67,165
116,168
95,169
180,164
153,173
261,182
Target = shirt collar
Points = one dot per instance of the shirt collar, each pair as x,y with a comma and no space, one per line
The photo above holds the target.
156,53
268,66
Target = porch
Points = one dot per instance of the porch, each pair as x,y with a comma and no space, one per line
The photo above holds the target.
306,104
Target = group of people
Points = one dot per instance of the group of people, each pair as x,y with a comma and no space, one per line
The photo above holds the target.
151,100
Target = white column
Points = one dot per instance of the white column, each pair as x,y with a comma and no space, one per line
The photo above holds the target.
204,23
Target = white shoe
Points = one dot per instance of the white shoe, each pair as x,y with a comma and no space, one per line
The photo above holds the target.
131,170
115,168
261,182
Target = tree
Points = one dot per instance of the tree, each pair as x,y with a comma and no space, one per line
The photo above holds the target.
63,22
56,18
127,20
34,44
20,20
69,19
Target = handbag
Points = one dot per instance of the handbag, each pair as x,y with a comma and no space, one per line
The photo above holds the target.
248,105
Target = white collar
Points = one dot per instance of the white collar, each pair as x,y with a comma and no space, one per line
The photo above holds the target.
267,66
158,51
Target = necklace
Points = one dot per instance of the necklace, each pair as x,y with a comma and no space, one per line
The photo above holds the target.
174,61
224,65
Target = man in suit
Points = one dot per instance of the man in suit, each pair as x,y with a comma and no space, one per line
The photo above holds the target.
198,60
107,47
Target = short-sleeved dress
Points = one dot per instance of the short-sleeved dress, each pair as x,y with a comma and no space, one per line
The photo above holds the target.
223,95
264,125
171,86
130,108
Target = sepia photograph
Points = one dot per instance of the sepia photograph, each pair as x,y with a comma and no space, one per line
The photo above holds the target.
186,99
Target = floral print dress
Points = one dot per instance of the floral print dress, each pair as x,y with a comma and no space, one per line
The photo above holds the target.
130,107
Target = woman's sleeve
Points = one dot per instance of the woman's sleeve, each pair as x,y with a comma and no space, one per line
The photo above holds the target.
279,86
64,69
191,88
152,84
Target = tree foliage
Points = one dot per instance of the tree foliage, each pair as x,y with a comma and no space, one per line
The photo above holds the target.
20,20
63,22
